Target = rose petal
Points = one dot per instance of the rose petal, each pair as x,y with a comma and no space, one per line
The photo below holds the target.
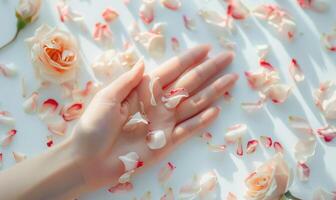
110,15
18,157
6,119
102,33
171,4
239,150
278,147
278,93
166,172
90,89
267,65
208,183
266,141
120,187
154,43
72,111
325,99
146,11
328,133
206,136
169,195
175,44
252,106
295,71
151,90
261,79
213,18
216,147
134,120
251,146
263,51
174,97
50,141
159,28
235,132
126,177
30,104
300,124
303,171
131,161
49,105
304,149
156,139
8,70
189,23
58,127
147,196
237,10
328,41
6,140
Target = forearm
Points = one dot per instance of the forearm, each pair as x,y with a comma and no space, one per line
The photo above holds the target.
54,174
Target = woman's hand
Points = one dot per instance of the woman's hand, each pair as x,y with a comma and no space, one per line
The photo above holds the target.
101,137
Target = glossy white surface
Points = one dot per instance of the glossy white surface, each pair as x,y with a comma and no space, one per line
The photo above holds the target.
193,157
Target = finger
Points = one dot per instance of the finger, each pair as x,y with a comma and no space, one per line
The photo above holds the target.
205,97
119,89
173,68
187,128
199,75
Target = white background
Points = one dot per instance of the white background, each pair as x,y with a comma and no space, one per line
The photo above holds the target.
193,157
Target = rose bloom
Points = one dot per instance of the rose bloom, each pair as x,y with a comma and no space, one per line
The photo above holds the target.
270,181
54,54
28,10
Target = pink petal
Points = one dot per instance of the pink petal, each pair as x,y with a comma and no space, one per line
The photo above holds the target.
158,28
8,70
8,139
300,124
316,5
278,147
303,171
251,146
18,157
6,119
265,64
237,10
235,132
263,51
154,43
189,23
175,44
278,93
252,106
295,71
131,161
208,183
146,11
72,111
166,172
325,99
102,32
174,97
266,141
30,105
50,141
231,196
328,133
156,139
134,121
206,136
49,104
216,147
305,149
171,4
239,150
90,89
121,187
110,15
261,79
169,195
58,127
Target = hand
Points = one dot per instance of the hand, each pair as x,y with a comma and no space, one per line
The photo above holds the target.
100,136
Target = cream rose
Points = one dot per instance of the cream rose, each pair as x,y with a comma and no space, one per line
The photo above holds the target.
270,181
28,10
54,54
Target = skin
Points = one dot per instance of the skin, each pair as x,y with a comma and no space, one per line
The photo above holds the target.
88,160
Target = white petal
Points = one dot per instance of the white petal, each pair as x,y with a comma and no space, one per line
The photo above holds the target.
304,149
135,119
30,105
173,100
18,157
126,177
171,4
235,132
129,160
8,70
278,93
156,139
151,90
263,50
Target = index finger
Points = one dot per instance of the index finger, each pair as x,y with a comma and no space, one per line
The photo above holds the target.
174,67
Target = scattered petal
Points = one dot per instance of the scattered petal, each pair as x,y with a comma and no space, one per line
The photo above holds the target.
121,187
278,93
169,195
135,120
171,4
252,106
174,97
216,147
231,196
30,104
251,146
166,172
8,70
206,136
235,132
131,161
295,71
263,51
175,44
72,111
328,133
239,150
6,119
49,106
6,140
237,10
90,89
18,157
267,65
156,139
328,41
102,33
58,127
266,141
325,99
146,11
110,15
303,171
189,23
151,90
278,147
50,141
300,124
304,149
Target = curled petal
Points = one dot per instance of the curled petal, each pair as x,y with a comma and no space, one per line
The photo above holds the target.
159,28
239,150
126,177
261,79
328,133
49,106
263,51
304,149
188,23
154,43
174,97
252,106
206,136
110,15
6,119
328,41
213,18
18,157
267,65
216,147
303,171
175,44
266,141
278,93
146,11
58,127
171,4
295,71
156,139
169,195
72,111
208,183
316,5
135,120
30,105
278,147
251,146
300,124
102,33
90,89
6,140
131,161
237,10
120,187
151,90
235,132
8,70
166,172
325,99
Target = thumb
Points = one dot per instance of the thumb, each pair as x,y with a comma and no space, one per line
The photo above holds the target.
119,89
